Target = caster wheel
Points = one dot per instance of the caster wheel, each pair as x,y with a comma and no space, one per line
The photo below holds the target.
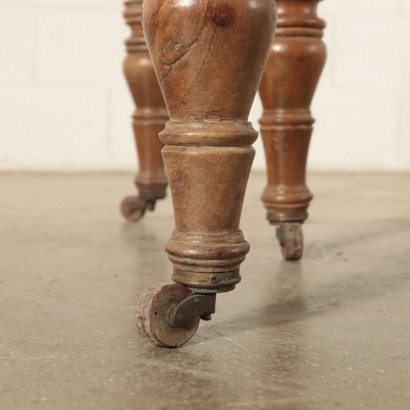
290,236
153,312
133,208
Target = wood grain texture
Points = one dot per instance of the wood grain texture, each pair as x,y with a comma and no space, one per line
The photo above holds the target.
150,115
209,57
292,72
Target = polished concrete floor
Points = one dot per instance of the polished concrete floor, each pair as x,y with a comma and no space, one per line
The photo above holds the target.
330,332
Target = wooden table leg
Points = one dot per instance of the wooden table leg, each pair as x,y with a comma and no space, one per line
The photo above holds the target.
209,56
293,69
148,120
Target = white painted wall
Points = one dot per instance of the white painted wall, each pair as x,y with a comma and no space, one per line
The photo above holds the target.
64,103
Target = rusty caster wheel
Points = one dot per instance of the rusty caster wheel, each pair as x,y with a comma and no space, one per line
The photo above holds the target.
169,315
290,236
133,208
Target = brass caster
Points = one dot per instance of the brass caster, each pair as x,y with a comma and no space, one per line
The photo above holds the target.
133,208
169,315
290,236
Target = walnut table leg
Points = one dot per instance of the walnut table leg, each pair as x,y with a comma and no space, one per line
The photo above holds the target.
293,68
148,120
209,56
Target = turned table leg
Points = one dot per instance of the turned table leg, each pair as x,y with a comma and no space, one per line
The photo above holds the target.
148,120
208,56
293,69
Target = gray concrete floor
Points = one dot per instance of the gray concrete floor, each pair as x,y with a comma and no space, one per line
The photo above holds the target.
330,332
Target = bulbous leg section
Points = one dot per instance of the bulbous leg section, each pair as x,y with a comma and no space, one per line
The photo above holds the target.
155,310
290,236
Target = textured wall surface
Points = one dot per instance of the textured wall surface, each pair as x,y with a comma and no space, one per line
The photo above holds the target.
64,103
